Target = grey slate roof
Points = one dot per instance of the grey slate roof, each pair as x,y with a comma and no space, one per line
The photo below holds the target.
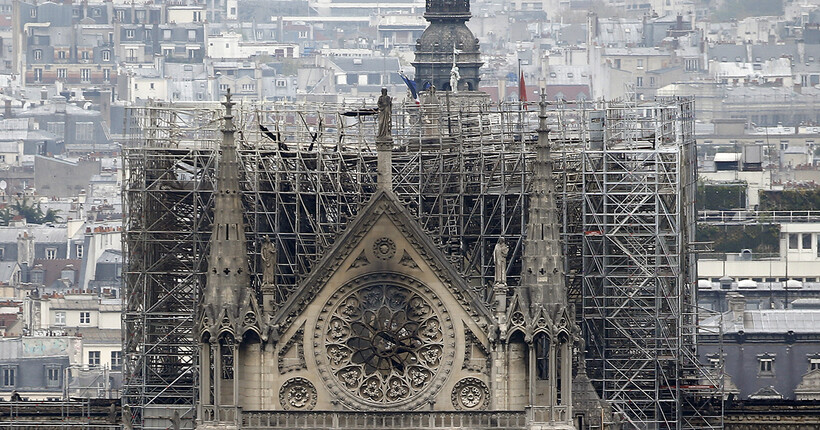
730,52
42,234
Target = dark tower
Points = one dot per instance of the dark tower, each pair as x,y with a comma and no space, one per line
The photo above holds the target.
435,49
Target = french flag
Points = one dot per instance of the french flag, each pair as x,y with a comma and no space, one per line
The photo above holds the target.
412,87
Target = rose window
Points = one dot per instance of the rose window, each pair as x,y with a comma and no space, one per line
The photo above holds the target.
385,344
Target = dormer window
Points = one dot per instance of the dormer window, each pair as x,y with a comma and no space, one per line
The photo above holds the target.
765,363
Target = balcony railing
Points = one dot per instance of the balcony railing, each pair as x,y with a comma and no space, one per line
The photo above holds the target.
547,414
416,420
511,420
757,217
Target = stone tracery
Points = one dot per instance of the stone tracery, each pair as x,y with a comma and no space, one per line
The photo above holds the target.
385,344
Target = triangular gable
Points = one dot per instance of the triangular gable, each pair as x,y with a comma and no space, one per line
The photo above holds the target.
383,203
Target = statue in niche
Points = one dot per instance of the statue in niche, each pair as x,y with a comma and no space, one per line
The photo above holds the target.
385,105
500,259
268,262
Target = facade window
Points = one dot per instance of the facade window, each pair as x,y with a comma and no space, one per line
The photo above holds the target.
61,73
120,15
9,376
191,35
106,55
85,75
59,318
38,54
223,87
814,363
37,276
106,74
79,251
166,34
57,128
51,253
84,131
2,254
129,34
197,16
85,317
52,376
639,81
281,83
793,240
32,13
93,358
61,55
806,241
38,75
640,63
84,55
248,87
765,364
116,360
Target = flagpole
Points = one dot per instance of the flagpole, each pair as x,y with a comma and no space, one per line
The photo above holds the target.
519,84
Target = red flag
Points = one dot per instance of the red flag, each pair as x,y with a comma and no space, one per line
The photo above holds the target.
522,89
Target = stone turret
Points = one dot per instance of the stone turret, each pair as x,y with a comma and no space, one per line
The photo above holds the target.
551,320
542,272
227,295
447,42
229,324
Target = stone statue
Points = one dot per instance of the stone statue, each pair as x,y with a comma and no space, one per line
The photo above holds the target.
500,259
268,262
454,77
385,104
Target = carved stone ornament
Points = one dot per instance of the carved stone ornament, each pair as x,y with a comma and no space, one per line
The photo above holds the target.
471,394
288,364
360,261
384,248
388,342
481,362
407,261
297,394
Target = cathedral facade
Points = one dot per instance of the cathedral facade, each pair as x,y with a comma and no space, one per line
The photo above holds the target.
385,324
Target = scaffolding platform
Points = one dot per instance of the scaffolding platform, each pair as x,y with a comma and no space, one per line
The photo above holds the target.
625,173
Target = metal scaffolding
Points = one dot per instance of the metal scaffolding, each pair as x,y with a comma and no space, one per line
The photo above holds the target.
462,166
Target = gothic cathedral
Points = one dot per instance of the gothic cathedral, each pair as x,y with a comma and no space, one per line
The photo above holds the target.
383,328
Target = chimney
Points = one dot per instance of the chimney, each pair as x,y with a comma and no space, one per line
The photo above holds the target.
59,104
737,308
105,106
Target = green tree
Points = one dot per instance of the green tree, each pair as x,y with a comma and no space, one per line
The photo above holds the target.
33,213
